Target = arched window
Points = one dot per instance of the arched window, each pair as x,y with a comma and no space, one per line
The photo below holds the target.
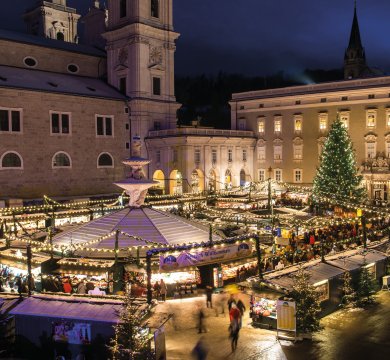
60,36
105,160
11,160
154,8
61,160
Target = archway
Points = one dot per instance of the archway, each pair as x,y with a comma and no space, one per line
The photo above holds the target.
175,183
242,177
159,176
197,181
228,179
212,181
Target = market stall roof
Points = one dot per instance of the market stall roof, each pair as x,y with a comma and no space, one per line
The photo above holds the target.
20,256
7,302
318,272
146,223
354,259
44,307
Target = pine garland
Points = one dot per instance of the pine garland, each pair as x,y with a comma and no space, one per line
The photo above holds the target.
337,173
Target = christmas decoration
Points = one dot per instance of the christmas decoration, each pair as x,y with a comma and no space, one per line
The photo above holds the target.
307,301
349,294
337,173
366,286
131,340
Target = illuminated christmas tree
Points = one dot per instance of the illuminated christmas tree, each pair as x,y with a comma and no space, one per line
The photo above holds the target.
366,286
337,175
131,340
349,294
307,302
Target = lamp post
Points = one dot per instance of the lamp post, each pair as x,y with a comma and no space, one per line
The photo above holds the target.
29,276
258,253
269,187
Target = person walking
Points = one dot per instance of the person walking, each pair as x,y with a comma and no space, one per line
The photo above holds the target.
201,321
231,301
241,307
200,350
209,295
163,290
156,288
234,327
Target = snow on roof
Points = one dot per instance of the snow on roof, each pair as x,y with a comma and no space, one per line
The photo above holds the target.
50,43
29,79
149,224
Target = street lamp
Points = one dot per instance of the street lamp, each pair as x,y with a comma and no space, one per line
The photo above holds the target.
269,187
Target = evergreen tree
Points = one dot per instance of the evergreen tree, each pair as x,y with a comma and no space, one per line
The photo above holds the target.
349,294
366,286
131,338
337,174
307,302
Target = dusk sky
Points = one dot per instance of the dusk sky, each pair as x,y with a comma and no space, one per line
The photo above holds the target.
258,37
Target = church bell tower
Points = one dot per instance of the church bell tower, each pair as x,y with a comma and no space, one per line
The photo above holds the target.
53,19
140,59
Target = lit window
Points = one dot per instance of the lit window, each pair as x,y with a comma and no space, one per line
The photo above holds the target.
230,155
278,124
278,175
60,123
213,156
370,150
297,175
261,153
197,155
61,160
298,152
388,118
10,120
298,123
277,152
104,125
323,121
243,155
388,149
11,160
261,127
261,174
344,118
371,119
105,160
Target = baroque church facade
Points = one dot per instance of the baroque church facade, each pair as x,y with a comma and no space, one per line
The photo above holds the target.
70,105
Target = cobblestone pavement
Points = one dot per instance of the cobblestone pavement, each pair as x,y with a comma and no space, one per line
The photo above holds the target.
182,334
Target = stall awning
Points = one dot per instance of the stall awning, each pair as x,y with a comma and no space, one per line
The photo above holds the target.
355,259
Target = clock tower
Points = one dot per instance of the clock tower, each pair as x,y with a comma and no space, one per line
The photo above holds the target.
140,60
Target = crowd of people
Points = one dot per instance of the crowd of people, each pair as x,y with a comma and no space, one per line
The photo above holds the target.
15,283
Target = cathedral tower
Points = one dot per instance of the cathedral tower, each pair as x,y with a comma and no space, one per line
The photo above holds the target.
54,20
355,58
140,56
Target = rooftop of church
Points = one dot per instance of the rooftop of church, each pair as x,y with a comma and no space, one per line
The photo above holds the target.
38,80
50,43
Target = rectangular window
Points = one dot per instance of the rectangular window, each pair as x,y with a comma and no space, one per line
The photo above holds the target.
213,156
241,124
261,174
297,175
371,96
388,118
10,121
298,152
261,127
197,155
123,8
370,150
323,121
154,8
175,155
278,124
298,123
371,119
261,153
298,102
156,86
127,145
278,175
104,125
230,155
388,149
60,123
344,118
158,156
323,100
123,85
157,125
277,152
344,98
243,155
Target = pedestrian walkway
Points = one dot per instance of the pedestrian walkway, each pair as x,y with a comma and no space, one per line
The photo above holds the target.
182,333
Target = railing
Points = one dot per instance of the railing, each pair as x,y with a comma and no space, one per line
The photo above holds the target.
201,132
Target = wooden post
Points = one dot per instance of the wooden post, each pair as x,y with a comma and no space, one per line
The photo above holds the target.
149,277
29,276
258,253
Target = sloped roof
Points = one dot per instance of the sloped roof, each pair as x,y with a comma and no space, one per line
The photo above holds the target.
29,79
50,43
149,224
